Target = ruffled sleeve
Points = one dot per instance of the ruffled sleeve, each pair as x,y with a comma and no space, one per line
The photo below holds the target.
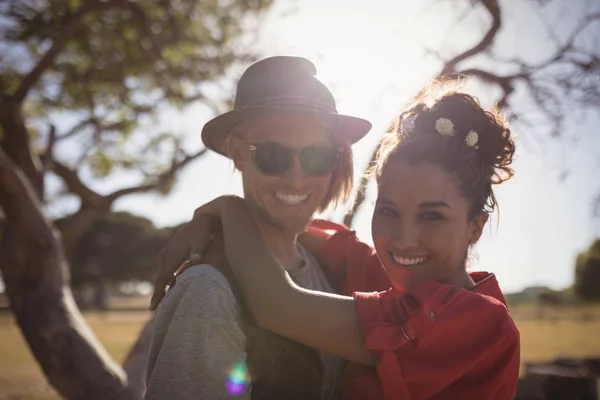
439,341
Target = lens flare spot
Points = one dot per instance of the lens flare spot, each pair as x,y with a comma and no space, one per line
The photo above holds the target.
238,378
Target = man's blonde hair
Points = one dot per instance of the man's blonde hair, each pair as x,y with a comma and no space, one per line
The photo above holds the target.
342,180
342,177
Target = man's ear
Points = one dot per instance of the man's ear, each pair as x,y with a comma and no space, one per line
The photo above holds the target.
477,225
237,153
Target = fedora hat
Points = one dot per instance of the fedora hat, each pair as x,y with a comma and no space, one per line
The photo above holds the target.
283,83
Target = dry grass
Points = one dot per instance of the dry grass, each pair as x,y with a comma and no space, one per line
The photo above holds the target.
20,378
545,340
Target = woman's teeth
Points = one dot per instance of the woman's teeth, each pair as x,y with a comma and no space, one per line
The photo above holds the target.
409,262
291,199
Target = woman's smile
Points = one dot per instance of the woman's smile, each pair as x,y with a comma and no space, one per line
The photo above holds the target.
408,261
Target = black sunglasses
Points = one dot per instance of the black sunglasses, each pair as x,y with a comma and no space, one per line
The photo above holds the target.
275,159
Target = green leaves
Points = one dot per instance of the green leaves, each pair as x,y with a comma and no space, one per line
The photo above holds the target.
100,164
122,65
74,5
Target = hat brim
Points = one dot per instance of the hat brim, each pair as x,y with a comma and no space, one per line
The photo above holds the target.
345,128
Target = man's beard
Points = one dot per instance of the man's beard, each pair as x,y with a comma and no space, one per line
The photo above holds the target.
289,223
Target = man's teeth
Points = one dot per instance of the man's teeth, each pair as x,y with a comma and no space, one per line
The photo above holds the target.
291,199
409,261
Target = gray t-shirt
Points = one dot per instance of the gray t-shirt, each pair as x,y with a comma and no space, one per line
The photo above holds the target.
310,276
198,337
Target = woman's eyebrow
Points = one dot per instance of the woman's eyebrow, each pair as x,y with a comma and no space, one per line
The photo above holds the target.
385,202
431,204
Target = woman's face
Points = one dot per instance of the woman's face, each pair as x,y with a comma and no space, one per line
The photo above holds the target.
421,227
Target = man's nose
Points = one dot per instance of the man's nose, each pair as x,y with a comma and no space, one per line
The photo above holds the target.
295,177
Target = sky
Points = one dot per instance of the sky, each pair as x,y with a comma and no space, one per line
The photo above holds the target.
372,56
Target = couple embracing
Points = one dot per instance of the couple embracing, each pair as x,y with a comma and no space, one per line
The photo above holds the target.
266,303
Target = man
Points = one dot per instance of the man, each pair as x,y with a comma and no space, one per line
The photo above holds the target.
293,150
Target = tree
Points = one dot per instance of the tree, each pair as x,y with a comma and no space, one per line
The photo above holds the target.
587,273
121,247
107,67
566,80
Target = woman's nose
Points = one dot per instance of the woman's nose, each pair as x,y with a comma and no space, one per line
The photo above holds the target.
405,236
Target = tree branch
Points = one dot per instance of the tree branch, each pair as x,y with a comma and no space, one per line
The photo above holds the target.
75,185
77,128
160,180
68,24
449,69
486,41
506,83
94,122
77,224
94,206
49,153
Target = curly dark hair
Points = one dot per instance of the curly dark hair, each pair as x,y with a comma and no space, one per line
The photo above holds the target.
413,138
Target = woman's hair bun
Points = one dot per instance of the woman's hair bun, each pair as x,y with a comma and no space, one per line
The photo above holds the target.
494,148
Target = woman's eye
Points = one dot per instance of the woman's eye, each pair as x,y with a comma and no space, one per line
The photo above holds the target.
432,215
387,211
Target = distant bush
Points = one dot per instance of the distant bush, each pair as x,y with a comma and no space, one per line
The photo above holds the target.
121,247
587,273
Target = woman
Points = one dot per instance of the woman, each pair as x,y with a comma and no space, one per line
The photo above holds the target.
440,332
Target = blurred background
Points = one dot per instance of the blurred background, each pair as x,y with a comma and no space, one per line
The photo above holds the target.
101,107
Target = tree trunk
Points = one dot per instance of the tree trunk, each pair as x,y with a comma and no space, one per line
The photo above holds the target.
36,278
15,140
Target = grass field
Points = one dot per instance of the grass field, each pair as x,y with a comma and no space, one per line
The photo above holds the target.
574,333
20,376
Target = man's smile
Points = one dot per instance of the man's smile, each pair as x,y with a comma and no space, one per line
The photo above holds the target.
291,199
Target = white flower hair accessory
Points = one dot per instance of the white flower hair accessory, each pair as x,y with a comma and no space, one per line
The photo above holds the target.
444,126
472,139
408,124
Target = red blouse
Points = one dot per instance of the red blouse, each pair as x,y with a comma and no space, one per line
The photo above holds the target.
434,342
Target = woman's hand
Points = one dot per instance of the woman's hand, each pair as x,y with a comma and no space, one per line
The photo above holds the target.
189,245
